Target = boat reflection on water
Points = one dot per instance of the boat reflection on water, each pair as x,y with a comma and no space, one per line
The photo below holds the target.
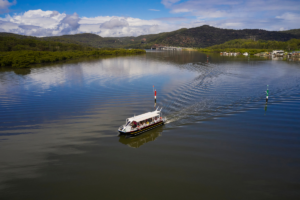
137,141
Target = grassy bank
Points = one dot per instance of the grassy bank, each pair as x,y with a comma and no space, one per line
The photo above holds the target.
21,59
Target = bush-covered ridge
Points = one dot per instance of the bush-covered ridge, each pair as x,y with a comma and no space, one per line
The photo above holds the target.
290,45
200,37
293,31
20,59
11,43
22,51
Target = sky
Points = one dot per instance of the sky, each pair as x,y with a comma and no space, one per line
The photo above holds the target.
118,18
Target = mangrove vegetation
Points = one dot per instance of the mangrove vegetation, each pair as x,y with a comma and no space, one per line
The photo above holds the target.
19,59
23,52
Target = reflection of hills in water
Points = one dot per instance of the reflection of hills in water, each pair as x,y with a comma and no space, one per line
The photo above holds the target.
137,141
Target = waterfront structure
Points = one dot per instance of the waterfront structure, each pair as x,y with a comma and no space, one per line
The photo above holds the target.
278,53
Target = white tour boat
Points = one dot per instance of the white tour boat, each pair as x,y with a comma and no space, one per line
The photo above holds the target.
142,123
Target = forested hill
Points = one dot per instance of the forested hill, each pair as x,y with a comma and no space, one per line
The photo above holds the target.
23,51
293,31
87,39
291,45
13,42
203,36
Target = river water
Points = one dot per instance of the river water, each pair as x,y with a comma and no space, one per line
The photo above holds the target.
59,139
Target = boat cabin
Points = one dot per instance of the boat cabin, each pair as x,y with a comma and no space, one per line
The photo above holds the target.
141,122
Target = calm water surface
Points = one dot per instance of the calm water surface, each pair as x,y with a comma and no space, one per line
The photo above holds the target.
59,140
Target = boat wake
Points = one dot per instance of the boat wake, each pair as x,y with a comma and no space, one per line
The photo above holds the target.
218,91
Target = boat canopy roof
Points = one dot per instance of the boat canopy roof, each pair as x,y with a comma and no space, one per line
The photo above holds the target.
144,116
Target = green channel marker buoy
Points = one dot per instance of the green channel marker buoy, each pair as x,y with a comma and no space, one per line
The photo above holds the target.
267,93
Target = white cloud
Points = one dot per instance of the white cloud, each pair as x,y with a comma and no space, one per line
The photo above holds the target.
40,23
154,10
262,14
114,23
289,16
4,4
169,3
181,10
51,23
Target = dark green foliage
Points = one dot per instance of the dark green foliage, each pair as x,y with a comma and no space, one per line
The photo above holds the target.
88,39
201,37
21,51
293,31
290,45
204,36
13,43
20,59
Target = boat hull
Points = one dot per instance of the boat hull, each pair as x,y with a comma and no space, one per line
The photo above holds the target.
143,130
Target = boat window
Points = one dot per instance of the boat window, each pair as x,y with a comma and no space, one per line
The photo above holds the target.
127,123
134,124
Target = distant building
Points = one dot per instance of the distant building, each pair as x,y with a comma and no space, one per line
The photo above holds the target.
277,51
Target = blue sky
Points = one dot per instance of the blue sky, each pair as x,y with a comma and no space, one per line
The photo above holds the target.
137,17
92,8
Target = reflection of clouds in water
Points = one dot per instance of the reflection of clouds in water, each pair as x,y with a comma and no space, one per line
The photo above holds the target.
54,76
134,68
205,91
47,78
119,68
23,154
129,67
43,78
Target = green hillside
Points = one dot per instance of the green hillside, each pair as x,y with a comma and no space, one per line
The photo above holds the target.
293,31
253,47
5,34
17,51
291,45
20,59
13,42
201,37
87,39
205,36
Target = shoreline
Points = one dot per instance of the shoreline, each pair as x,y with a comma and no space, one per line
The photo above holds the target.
26,59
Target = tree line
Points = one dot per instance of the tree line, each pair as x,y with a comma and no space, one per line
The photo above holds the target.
23,52
8,43
269,45
21,59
